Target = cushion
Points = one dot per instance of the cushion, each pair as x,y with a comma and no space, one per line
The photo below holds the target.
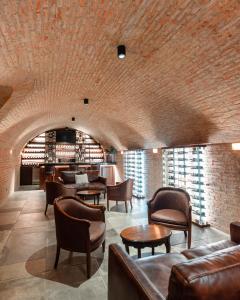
207,249
170,216
158,269
68,176
93,176
81,178
214,276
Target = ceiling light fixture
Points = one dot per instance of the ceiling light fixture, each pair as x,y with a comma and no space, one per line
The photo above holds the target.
85,101
121,50
236,146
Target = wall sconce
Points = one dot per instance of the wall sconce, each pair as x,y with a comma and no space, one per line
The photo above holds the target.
236,146
155,150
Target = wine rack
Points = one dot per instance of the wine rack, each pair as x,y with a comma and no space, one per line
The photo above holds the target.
34,152
184,168
134,168
45,149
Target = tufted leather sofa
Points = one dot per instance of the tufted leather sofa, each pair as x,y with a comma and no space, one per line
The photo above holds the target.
209,272
95,182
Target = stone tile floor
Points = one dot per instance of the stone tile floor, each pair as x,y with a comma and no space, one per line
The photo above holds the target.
28,244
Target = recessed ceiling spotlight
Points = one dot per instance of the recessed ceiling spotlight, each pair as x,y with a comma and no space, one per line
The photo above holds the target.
121,50
85,101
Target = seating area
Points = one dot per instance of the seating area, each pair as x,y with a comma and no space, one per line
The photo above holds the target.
29,250
193,274
119,150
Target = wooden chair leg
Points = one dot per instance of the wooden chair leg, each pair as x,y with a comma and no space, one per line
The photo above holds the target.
126,207
107,204
117,203
185,233
103,246
57,257
88,264
104,195
131,203
189,238
46,209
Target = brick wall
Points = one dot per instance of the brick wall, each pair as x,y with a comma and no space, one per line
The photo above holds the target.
223,190
152,170
7,173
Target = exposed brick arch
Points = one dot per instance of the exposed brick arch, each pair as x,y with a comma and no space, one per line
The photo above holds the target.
179,83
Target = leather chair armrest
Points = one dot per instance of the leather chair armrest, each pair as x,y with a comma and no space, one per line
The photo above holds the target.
93,212
126,280
235,232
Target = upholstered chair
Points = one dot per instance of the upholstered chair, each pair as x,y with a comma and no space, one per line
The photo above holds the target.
55,189
120,192
80,227
171,207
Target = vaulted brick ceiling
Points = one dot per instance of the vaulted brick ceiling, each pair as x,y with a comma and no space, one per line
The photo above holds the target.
179,84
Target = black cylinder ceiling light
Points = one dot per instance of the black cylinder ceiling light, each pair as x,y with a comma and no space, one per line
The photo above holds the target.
121,50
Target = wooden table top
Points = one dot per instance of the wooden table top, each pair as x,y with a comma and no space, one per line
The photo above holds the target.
145,233
88,193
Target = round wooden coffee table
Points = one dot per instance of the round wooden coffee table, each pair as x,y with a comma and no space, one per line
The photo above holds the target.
146,236
95,194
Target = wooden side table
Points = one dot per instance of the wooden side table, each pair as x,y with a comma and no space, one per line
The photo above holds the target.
95,194
146,236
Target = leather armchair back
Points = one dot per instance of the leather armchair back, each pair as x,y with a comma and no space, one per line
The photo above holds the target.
54,190
121,192
170,198
72,232
215,276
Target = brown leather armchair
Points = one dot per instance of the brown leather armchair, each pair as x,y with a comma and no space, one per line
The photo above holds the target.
171,207
120,192
55,189
80,227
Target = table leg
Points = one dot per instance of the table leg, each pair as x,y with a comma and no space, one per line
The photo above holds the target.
127,248
153,251
139,252
168,245
94,199
98,196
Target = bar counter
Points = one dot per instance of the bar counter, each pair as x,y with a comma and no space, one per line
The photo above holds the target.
76,163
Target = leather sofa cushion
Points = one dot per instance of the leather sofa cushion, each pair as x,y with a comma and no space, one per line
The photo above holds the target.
214,276
93,175
158,269
207,249
170,216
69,176
88,186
